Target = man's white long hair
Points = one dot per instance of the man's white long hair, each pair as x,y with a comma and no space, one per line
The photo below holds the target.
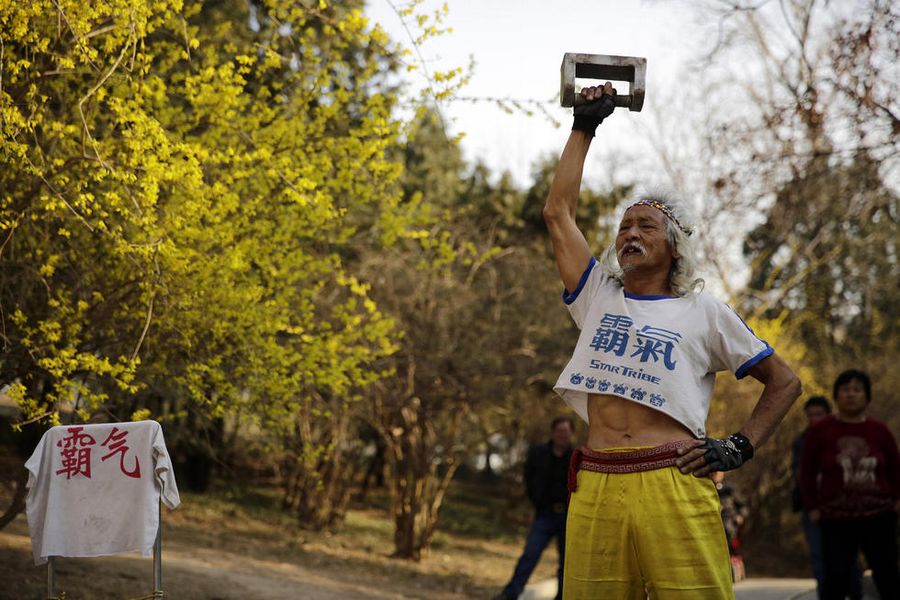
682,277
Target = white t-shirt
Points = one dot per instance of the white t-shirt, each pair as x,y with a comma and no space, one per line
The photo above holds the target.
659,351
94,490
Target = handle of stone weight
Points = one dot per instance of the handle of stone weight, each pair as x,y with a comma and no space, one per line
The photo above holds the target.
621,100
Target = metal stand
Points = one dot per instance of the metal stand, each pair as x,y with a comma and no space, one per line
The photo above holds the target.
157,561
51,579
157,569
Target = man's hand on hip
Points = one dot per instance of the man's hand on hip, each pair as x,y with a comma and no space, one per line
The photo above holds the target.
713,454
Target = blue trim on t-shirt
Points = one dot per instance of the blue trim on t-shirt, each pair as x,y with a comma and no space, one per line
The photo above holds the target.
631,296
767,351
570,298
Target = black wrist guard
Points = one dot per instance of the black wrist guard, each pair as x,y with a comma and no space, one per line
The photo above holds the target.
727,454
590,114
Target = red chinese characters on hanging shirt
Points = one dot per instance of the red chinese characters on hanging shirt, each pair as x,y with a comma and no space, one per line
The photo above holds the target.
76,453
116,443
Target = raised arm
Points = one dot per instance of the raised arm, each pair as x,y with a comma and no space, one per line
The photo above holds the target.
571,249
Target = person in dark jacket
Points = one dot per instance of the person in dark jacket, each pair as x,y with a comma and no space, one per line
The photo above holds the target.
546,472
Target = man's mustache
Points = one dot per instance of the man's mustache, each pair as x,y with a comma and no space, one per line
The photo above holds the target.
631,246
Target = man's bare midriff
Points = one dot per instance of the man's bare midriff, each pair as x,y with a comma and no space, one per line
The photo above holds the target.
616,422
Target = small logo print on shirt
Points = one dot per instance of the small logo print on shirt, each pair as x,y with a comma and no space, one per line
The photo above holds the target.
590,382
576,378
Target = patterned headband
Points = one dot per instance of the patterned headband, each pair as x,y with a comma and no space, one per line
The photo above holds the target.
666,211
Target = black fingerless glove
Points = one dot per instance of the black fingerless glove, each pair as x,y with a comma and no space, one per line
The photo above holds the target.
727,454
590,114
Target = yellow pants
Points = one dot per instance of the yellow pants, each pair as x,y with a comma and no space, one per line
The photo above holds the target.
656,533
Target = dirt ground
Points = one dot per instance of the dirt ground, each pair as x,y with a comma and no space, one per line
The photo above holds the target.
266,559
189,572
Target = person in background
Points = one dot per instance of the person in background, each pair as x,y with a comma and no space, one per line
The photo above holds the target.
850,485
734,515
546,472
816,409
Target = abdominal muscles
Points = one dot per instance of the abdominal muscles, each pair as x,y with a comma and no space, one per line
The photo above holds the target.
617,422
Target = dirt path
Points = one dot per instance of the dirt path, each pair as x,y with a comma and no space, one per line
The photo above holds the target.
199,568
190,572
750,589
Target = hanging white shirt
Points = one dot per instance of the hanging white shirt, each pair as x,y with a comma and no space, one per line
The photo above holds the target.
94,490
659,351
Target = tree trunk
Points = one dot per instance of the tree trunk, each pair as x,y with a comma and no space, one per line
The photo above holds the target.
417,488
18,502
408,486
374,471
487,471
12,467
320,477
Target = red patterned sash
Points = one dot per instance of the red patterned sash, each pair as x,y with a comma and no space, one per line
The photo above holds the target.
631,461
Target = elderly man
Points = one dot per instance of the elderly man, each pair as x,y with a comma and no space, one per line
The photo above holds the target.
643,517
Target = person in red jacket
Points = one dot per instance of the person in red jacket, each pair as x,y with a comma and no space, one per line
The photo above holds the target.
850,483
